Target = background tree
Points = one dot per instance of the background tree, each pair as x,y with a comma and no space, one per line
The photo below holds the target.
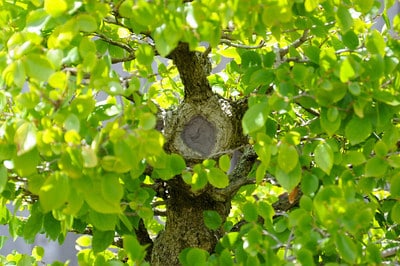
288,154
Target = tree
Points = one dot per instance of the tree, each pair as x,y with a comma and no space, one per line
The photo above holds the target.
290,153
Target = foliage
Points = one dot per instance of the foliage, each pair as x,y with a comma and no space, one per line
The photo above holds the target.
323,98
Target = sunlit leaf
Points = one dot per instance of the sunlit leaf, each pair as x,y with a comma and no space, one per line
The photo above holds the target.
324,157
55,8
217,178
54,192
287,157
25,138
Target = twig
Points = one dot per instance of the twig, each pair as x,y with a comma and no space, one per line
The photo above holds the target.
390,252
115,43
242,46
123,59
284,51
297,60
288,245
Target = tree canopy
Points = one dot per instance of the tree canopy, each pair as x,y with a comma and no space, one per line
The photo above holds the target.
241,132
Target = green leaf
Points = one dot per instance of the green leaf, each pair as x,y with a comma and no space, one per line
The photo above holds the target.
58,80
395,212
313,53
354,88
217,178
135,251
305,257
346,71
86,23
224,162
25,138
125,9
166,38
346,247
309,184
193,256
381,149
255,118
55,8
96,200
84,241
324,157
350,39
354,158
375,43
310,5
38,253
261,77
288,180
375,167
145,54
3,178
89,157
330,120
72,123
212,219
358,130
111,188
147,121
364,6
288,157
102,221
114,164
177,163
54,192
250,212
102,240
344,18
51,226
38,67
395,186
26,163
33,224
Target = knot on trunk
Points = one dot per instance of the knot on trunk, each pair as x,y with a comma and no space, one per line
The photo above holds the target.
199,135
198,130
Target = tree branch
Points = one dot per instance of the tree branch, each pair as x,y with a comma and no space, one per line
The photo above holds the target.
115,43
284,51
193,67
242,46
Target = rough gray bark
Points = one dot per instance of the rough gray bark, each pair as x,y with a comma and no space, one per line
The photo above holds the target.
204,126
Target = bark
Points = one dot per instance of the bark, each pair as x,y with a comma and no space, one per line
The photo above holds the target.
185,224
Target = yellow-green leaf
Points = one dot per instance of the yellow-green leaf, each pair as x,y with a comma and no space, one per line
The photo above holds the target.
54,192
55,8
287,157
25,138
217,178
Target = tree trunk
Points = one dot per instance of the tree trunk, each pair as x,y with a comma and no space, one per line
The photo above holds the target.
204,126
185,225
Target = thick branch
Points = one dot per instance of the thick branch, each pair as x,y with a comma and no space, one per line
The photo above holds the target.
193,67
